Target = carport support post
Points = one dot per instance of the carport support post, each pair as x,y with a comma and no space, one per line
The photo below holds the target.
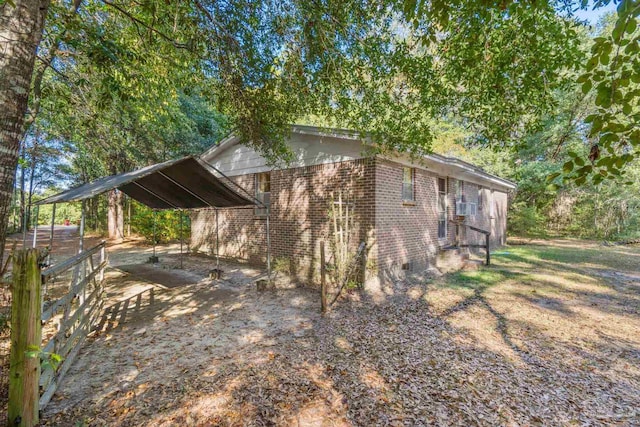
217,247
154,235
268,245
82,220
53,224
180,238
35,227
25,228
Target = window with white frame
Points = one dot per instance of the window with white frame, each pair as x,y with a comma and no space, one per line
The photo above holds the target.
442,208
408,180
480,199
263,192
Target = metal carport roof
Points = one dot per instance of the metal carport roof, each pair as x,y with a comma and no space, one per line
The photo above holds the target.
186,183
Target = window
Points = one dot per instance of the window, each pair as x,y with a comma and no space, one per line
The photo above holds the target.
442,208
480,199
408,178
263,191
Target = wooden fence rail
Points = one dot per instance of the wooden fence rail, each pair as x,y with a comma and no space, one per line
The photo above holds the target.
487,240
73,315
44,331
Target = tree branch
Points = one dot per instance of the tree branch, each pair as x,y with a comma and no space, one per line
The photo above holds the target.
175,43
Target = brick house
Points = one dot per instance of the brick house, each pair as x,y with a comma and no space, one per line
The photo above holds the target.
403,209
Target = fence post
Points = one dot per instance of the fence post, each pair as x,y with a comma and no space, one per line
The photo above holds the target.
102,260
26,336
486,237
323,281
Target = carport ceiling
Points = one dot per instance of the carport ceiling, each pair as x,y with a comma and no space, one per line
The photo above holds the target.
186,183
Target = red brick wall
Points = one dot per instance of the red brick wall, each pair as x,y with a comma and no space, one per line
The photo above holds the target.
396,233
300,205
407,232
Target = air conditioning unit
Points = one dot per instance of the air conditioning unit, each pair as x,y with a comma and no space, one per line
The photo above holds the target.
466,209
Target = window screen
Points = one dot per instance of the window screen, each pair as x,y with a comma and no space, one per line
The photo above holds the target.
408,178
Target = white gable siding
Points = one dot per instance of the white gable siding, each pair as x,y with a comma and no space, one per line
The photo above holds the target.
239,159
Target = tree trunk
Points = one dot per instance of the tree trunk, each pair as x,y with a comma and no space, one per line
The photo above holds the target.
115,215
20,33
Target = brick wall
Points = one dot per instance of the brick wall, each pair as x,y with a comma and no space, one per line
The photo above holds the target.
300,205
408,232
396,232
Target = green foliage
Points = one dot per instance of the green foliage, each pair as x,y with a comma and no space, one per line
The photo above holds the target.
167,224
546,201
612,76
132,83
132,72
48,360
70,211
526,221
282,265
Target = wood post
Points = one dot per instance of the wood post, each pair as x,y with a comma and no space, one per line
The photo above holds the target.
323,281
103,258
486,238
26,338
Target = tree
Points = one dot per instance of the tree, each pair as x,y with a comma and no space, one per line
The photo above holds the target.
39,168
21,24
387,68
613,75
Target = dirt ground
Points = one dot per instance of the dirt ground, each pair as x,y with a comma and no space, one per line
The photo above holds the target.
547,335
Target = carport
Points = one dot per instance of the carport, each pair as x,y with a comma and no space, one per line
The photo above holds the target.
186,183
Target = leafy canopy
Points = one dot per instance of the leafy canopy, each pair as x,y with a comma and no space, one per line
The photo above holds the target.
386,68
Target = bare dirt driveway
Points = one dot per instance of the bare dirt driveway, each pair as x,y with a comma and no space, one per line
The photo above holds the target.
548,335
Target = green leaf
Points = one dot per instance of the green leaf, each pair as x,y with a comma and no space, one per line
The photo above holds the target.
583,78
568,166
603,98
553,176
586,87
597,179
591,64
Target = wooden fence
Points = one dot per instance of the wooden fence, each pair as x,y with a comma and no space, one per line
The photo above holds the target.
55,309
